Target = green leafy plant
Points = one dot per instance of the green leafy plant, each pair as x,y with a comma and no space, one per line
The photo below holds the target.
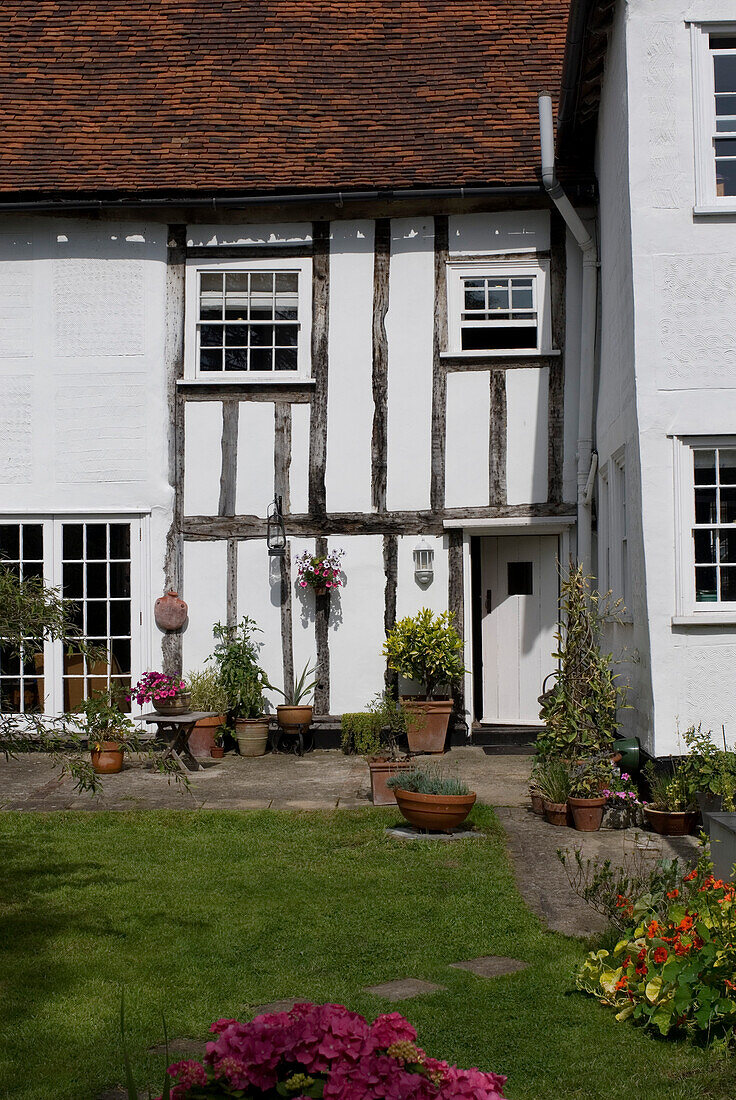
707,768
426,648
207,691
106,721
236,659
428,780
553,781
670,792
579,711
295,695
590,777
377,730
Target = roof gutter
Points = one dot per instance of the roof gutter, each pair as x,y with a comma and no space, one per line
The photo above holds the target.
588,327
223,202
572,66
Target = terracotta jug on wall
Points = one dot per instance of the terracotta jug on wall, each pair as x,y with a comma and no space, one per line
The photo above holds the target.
170,612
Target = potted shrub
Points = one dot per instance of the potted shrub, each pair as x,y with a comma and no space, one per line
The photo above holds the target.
294,712
586,798
374,734
168,694
321,574
206,692
427,648
109,731
236,659
710,771
671,811
579,710
553,783
430,799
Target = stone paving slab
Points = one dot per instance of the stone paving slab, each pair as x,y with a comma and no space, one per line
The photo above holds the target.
277,1006
411,832
491,966
403,989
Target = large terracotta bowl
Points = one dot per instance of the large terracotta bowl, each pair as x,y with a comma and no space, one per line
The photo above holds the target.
437,812
668,823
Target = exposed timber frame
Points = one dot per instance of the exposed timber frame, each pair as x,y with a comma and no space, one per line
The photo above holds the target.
379,445
171,643
497,446
320,330
439,377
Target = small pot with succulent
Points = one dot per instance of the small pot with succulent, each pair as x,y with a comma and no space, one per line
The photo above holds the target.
374,733
430,799
321,574
427,649
553,783
235,658
672,810
169,695
586,799
294,714
207,693
109,731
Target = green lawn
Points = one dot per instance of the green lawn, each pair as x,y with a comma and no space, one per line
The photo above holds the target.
206,914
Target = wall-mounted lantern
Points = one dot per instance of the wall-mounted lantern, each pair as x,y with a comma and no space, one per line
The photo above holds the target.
275,530
423,562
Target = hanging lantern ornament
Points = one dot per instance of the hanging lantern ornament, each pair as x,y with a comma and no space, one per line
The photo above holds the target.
423,562
275,530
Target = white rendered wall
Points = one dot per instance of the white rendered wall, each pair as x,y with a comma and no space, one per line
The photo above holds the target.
299,469
411,596
254,490
410,329
202,457
468,433
356,625
505,231
526,434
259,597
350,387
205,588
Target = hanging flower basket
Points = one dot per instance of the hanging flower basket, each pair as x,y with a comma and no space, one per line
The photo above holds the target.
321,574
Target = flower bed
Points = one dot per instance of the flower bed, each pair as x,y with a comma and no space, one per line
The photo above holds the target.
678,971
325,1051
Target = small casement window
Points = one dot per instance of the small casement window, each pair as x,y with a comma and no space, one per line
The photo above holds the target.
714,529
714,65
497,309
249,320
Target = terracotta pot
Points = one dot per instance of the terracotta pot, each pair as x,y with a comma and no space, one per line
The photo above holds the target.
217,752
288,716
170,612
177,704
108,759
202,738
428,732
437,812
381,770
669,823
537,803
555,812
587,813
252,736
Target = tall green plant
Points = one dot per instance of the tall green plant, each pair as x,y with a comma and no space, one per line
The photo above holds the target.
427,648
236,658
579,711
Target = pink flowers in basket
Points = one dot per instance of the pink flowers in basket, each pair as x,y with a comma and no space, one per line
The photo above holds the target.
156,686
326,1051
320,572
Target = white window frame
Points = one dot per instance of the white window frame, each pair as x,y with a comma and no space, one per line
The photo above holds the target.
300,266
704,119
484,268
688,610
140,589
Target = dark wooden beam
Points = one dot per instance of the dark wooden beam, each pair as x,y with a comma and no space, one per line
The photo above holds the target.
391,572
229,465
496,362
296,393
245,252
497,441
439,376
320,329
231,603
287,636
322,640
379,440
282,454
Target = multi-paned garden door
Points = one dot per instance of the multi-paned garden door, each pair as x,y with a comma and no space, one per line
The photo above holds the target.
519,598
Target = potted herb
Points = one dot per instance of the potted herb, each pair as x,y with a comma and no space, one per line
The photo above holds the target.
671,811
168,694
427,648
586,798
207,693
236,659
374,734
430,799
294,712
553,783
109,731
321,574
710,771
579,710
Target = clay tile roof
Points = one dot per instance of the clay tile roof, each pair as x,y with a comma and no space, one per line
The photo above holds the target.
224,95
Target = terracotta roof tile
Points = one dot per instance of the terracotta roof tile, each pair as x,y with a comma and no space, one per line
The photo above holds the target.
130,95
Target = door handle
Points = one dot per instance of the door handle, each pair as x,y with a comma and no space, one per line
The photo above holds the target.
489,601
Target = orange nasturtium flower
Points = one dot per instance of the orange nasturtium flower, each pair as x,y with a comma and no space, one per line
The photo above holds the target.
660,954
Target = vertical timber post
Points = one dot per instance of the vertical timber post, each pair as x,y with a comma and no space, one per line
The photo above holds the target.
171,643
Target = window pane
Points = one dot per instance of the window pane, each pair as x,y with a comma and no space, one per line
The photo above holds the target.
210,336
119,578
119,617
286,359
705,467
728,584
97,581
119,540
32,542
725,147
236,336
727,467
32,569
9,661
728,546
288,282
705,584
498,296
10,695
727,124
261,359
210,360
285,311
211,280
722,41
236,359
262,281
725,177
728,505
10,541
75,616
120,656
237,282
96,617
705,546
72,541
286,336
724,69
261,336
522,298
96,540
726,104
498,337
475,299
72,580
210,296
705,506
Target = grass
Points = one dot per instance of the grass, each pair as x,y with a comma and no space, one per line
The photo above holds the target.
205,915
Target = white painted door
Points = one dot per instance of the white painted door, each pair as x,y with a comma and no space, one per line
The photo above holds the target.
519,599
